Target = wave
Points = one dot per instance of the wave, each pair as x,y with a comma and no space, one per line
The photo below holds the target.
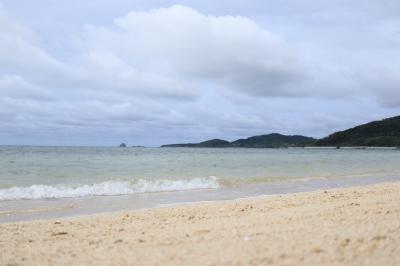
108,188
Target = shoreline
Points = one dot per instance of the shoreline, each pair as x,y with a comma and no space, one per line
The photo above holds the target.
45,209
345,226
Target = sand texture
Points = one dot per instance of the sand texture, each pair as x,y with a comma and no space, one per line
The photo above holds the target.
351,226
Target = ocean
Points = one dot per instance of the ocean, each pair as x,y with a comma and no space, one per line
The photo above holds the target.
39,176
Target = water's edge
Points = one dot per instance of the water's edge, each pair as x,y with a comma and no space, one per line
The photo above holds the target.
28,210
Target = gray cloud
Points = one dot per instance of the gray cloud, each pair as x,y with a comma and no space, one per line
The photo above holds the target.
16,87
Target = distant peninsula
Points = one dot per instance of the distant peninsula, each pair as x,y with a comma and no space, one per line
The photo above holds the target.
383,133
274,140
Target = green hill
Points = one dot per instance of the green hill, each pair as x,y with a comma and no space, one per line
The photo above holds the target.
264,141
384,133
274,140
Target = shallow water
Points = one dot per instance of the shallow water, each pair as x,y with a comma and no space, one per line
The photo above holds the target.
70,172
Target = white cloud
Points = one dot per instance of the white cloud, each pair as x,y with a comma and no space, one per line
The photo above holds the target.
183,43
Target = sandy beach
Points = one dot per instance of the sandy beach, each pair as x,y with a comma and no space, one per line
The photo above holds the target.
349,226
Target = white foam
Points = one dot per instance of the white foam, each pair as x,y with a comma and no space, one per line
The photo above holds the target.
108,188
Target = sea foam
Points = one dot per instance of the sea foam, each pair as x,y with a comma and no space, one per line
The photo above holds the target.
108,188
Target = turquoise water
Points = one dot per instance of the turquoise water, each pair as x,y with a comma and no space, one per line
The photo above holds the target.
58,172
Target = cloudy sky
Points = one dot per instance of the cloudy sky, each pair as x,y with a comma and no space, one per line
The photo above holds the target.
148,72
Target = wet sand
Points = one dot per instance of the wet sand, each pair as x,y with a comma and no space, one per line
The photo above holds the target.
349,226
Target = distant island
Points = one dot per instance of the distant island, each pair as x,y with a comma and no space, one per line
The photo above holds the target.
384,133
123,145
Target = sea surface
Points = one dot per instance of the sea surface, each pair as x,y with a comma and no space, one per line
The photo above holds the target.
44,176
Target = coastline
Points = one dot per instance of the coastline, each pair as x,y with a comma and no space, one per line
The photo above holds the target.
353,226
42,209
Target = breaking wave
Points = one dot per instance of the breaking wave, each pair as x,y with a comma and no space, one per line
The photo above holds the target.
108,188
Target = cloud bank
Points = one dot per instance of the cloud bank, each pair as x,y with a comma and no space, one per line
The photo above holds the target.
176,72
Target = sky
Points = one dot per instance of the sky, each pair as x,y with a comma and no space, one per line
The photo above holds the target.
148,72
